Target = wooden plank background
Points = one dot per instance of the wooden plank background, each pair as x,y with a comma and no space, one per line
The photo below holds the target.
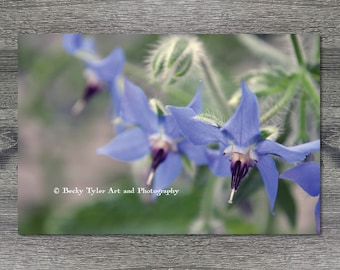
171,252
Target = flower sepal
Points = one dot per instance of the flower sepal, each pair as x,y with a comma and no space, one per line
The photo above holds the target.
157,106
209,119
269,133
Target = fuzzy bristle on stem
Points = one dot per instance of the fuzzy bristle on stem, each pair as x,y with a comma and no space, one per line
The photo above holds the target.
149,181
232,195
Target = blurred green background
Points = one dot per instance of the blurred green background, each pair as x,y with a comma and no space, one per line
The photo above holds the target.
58,149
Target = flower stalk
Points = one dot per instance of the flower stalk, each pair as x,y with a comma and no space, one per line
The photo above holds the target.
285,99
297,50
305,77
211,81
307,83
302,134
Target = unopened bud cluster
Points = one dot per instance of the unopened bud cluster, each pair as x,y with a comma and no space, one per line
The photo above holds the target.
174,58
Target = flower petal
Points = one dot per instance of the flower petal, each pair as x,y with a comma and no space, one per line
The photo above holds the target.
195,153
72,42
116,97
127,146
171,128
244,126
135,108
306,175
218,163
110,67
317,216
289,154
196,103
196,131
270,177
167,171
307,147
80,47
89,45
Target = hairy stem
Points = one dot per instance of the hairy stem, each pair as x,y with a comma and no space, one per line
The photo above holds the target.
302,134
211,80
309,86
285,99
297,50
306,80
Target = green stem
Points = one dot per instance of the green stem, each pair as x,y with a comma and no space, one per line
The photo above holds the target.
211,80
306,80
297,50
285,99
308,84
303,135
317,55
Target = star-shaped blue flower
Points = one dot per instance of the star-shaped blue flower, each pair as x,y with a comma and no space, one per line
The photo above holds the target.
99,72
153,134
307,176
241,145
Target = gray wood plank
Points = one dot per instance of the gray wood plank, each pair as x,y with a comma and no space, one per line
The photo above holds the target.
170,252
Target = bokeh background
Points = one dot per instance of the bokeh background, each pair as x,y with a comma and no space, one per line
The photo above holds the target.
58,149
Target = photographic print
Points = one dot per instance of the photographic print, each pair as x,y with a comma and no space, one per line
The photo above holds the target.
169,134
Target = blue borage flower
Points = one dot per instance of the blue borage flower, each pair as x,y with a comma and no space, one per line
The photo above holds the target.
153,133
99,72
240,144
307,176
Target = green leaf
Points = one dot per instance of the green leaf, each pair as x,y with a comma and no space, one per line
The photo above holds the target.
240,226
33,220
263,83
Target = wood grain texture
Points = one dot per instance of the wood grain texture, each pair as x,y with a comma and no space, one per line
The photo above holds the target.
171,252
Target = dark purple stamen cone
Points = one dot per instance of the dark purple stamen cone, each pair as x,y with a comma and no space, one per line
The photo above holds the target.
239,171
90,91
239,166
158,156
160,147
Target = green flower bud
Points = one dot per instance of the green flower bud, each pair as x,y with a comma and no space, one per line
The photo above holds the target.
174,58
